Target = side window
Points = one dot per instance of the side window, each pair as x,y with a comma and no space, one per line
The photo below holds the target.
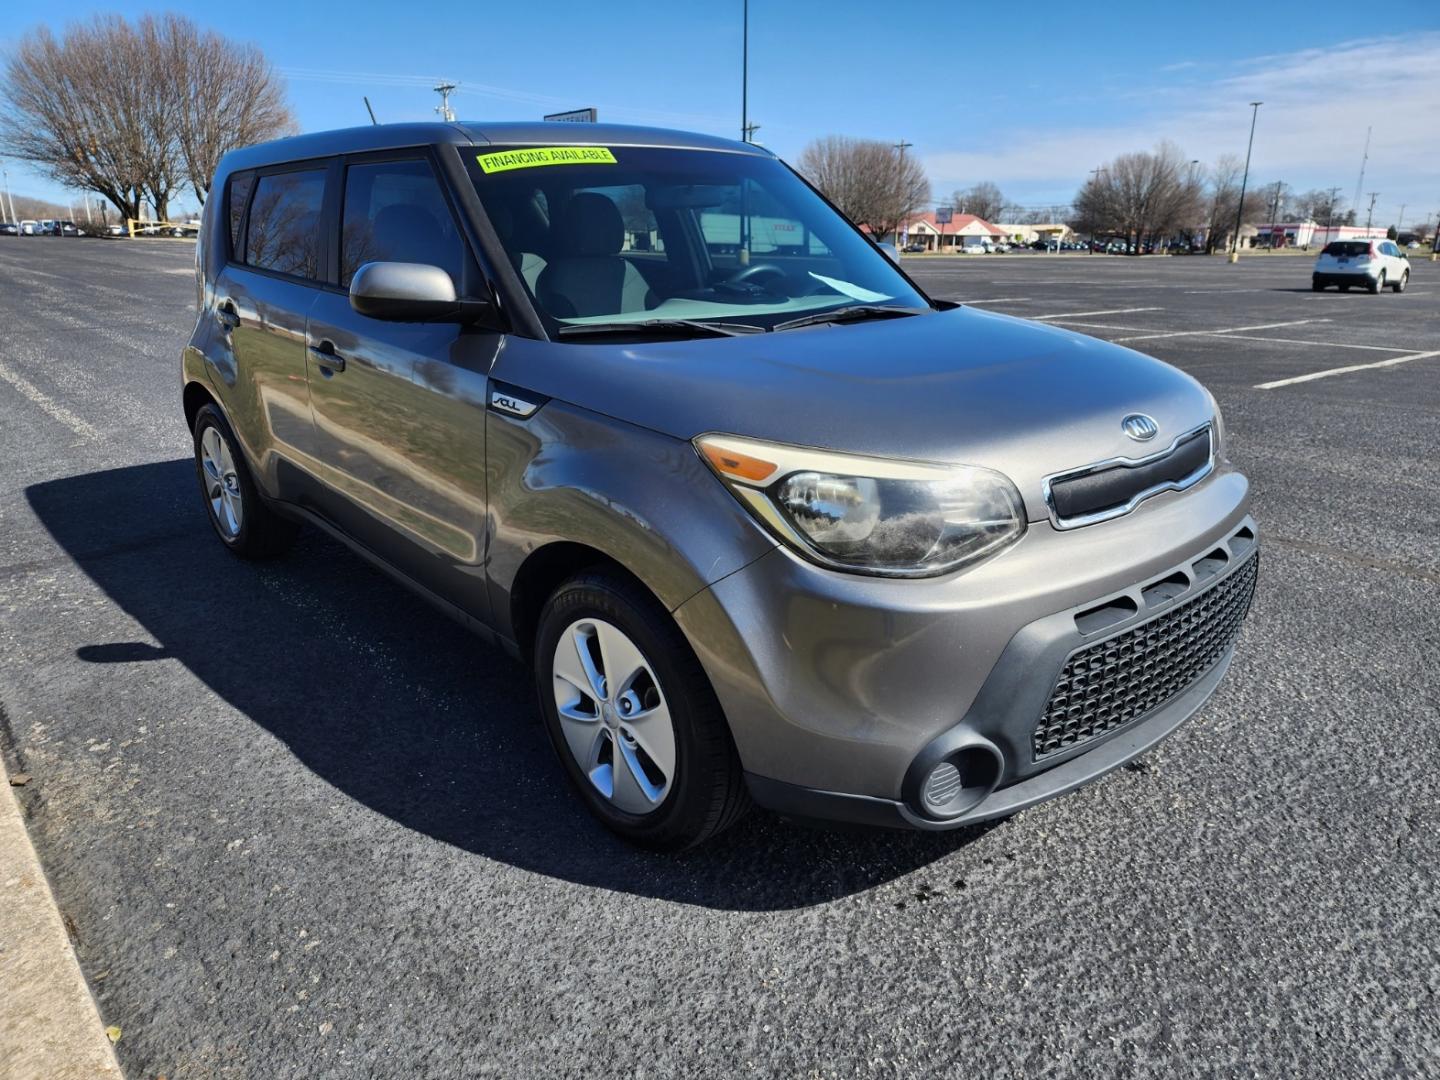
241,184
284,230
395,212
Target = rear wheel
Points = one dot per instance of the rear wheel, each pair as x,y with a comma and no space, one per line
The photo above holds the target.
1399,286
632,716
244,523
1377,283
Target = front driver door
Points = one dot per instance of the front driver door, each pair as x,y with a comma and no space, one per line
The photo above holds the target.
399,408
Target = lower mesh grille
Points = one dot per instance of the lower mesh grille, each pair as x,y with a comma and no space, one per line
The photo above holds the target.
1119,680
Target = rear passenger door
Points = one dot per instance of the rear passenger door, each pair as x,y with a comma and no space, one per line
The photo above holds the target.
399,408
256,318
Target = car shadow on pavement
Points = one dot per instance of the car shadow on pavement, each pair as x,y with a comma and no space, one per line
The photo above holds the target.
403,710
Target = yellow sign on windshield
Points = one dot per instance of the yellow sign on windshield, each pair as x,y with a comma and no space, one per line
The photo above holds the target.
506,160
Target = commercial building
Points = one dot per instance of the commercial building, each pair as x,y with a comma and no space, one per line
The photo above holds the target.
961,231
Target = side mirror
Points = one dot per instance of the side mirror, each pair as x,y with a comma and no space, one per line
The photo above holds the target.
410,292
890,252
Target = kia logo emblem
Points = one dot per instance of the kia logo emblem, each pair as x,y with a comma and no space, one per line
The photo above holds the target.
1139,427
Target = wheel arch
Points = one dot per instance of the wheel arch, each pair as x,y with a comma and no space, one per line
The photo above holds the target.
542,572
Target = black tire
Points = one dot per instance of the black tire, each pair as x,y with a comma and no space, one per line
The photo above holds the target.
1399,286
1343,288
707,792
1317,285
262,533
1376,285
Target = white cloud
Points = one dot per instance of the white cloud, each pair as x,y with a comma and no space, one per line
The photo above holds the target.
1311,129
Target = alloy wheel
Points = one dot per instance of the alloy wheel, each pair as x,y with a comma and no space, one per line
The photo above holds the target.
614,716
222,485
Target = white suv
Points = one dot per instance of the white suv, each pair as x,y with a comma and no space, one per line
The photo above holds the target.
1371,263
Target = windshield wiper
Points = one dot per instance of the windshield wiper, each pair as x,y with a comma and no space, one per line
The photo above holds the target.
647,326
850,313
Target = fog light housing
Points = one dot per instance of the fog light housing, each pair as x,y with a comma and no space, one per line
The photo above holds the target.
959,782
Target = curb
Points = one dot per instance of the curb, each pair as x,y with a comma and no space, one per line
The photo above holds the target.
50,1025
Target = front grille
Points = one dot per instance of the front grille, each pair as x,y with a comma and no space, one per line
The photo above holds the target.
1114,682
1097,492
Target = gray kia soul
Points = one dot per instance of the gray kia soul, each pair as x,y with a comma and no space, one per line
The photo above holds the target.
769,524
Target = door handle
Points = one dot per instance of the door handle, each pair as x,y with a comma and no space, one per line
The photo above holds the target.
228,316
325,355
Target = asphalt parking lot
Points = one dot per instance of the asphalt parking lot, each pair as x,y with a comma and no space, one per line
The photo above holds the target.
298,825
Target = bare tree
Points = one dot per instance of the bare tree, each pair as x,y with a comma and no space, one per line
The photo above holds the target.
872,183
984,200
135,112
1319,205
1142,197
226,95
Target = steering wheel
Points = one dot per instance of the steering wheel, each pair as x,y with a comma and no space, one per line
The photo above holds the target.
750,273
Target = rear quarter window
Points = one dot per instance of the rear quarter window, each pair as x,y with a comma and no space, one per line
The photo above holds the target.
241,184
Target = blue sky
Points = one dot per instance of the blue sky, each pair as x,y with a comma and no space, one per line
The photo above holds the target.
1032,99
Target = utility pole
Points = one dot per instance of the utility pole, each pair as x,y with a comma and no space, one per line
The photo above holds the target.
745,71
902,146
1275,212
1370,213
444,89
1240,209
1330,213
1399,225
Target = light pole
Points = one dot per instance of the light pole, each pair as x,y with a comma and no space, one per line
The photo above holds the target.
1244,180
8,197
745,71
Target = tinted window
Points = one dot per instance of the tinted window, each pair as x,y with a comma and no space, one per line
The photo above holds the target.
241,184
1348,247
395,212
284,229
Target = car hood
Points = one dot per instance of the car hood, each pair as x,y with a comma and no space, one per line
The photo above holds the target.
962,386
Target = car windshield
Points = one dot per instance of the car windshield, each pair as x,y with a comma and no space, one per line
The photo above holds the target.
610,235
1347,247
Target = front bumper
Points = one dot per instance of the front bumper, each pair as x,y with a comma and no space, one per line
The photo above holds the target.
839,687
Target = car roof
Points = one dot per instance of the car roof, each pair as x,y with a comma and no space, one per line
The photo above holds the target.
468,133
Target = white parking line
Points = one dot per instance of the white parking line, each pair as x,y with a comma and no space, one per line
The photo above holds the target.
998,300
1230,330
1107,311
1319,344
1394,360
48,404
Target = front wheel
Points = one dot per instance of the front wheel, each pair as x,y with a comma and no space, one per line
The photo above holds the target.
1399,286
632,716
1316,285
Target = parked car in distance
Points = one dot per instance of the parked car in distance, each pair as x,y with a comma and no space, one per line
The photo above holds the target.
9,228
694,486
1413,244
29,228
116,230
914,248
1369,264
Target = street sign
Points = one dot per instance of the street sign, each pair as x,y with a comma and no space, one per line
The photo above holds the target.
943,214
574,116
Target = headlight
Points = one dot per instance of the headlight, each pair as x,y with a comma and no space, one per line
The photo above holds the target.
872,515
1217,429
